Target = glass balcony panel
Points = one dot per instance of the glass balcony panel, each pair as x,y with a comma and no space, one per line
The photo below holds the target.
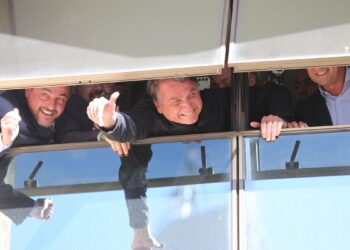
296,213
182,217
96,165
296,208
314,153
195,214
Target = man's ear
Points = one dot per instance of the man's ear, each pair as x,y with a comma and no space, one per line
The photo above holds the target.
158,107
26,92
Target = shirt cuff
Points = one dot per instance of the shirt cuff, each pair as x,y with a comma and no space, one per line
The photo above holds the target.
116,117
2,145
100,135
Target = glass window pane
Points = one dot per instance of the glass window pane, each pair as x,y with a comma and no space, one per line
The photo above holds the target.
79,166
309,211
99,219
302,213
67,42
298,155
277,34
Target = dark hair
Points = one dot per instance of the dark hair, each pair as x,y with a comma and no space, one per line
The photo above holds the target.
152,85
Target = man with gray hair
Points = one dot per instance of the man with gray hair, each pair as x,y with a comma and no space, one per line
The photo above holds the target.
175,107
178,107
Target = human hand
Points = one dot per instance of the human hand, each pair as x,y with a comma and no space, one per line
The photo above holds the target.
102,111
270,127
294,124
43,209
10,126
143,240
122,148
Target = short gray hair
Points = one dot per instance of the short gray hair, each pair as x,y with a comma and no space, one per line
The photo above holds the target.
152,85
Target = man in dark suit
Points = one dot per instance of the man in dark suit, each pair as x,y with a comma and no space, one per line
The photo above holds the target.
150,118
175,106
75,126
27,118
329,105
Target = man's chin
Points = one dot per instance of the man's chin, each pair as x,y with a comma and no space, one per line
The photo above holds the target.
190,121
45,123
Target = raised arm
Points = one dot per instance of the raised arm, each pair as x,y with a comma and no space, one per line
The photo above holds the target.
103,111
9,128
140,122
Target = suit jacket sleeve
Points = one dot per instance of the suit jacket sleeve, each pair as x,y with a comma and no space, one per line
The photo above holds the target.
69,130
313,111
280,103
13,204
270,99
74,125
142,121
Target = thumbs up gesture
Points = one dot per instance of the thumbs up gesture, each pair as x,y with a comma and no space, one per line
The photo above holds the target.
103,111
10,126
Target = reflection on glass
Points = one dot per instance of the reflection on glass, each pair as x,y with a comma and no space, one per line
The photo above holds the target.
296,213
101,164
100,220
199,219
63,39
302,213
326,150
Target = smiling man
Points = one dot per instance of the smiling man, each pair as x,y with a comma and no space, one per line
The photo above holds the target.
180,103
329,105
27,118
47,104
176,107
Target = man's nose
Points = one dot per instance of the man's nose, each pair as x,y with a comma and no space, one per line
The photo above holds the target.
97,87
51,104
187,104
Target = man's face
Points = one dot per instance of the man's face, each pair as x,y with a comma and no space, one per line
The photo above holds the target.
89,92
325,76
222,80
179,102
47,104
252,79
108,88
